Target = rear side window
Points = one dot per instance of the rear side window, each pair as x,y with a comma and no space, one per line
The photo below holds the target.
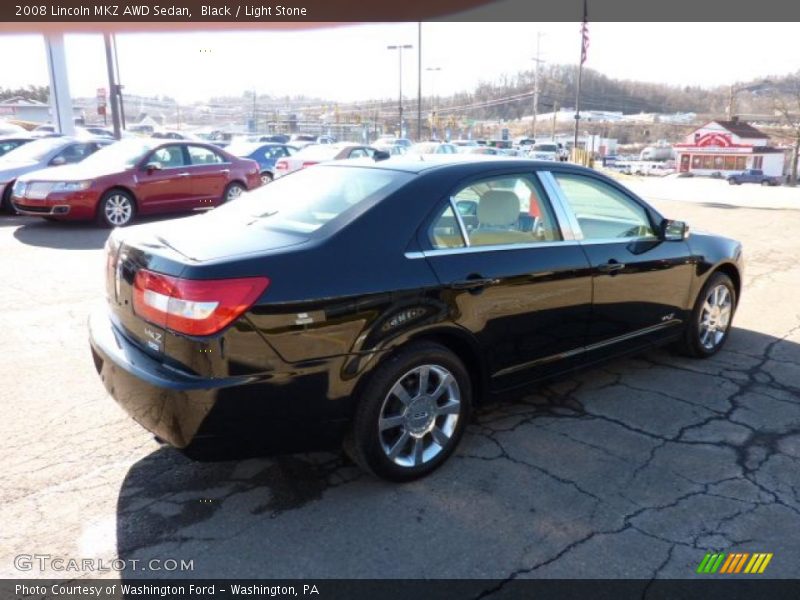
199,155
502,211
308,199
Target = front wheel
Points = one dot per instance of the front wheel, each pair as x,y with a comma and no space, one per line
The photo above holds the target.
411,414
711,318
117,209
266,177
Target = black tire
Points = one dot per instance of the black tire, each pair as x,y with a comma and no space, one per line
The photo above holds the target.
229,194
368,446
691,344
120,198
5,201
732,181
266,177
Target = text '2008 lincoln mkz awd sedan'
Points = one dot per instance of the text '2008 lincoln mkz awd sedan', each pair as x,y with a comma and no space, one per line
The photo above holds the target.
381,301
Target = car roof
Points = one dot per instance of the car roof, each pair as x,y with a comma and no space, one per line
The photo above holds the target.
413,163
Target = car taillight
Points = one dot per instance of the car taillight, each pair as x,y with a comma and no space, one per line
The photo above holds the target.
281,165
309,163
193,306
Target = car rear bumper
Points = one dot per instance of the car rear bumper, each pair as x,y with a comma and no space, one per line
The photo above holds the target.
186,410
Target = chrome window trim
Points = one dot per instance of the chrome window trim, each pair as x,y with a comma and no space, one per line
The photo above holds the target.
567,221
625,240
489,248
460,221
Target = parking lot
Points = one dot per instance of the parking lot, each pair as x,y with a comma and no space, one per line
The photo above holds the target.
632,470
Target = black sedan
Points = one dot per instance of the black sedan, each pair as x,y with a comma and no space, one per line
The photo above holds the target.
377,302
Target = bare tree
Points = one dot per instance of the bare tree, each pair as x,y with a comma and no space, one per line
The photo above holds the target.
786,102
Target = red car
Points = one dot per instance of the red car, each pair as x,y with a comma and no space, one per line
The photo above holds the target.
136,176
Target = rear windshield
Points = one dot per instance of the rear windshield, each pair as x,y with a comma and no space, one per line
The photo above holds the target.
306,200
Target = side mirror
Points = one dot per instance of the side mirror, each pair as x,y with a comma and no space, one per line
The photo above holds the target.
58,161
152,166
674,231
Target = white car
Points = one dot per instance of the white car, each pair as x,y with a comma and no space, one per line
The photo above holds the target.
544,151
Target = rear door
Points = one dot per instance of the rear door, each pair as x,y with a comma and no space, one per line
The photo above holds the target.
511,276
168,186
210,172
640,283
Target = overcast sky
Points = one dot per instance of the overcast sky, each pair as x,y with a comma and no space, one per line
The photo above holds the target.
351,62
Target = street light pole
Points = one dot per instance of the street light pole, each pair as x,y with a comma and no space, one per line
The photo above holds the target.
400,49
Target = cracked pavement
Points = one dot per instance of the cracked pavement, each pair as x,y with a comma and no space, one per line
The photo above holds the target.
634,469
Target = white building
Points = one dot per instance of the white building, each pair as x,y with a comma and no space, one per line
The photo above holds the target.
728,147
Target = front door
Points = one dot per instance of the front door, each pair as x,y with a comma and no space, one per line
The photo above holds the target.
510,277
640,282
685,160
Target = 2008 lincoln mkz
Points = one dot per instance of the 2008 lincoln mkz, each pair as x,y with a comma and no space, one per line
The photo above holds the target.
381,301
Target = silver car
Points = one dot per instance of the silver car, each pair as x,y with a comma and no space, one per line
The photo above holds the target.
40,154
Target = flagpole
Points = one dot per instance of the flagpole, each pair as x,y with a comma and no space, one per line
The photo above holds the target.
584,35
578,104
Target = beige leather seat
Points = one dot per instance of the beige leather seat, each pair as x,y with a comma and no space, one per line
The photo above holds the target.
498,215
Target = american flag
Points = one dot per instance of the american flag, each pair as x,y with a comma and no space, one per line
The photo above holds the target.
584,34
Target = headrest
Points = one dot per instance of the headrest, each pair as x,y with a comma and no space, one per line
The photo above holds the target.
498,208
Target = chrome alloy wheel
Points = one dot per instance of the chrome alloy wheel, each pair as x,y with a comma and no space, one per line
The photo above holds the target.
419,415
118,209
234,192
715,316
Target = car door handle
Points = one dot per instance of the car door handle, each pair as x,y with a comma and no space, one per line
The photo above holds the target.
226,171
183,174
612,266
475,283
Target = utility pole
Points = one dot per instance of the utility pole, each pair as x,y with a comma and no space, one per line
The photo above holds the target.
731,101
538,61
434,102
400,49
555,113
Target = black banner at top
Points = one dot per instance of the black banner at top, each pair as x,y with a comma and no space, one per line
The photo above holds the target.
23,14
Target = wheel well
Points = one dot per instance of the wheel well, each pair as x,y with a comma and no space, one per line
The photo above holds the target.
466,352
736,277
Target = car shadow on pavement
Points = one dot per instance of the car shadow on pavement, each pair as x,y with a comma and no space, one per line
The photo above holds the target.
64,235
649,461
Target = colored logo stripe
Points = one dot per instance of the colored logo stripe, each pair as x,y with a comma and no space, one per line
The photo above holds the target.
734,562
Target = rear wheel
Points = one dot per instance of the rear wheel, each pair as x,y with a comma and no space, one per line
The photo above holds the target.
411,414
266,177
711,319
5,201
232,192
117,209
